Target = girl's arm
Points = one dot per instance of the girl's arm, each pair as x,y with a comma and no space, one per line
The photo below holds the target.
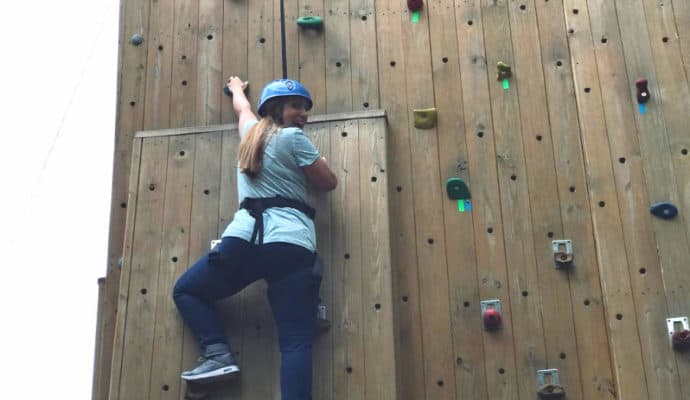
240,104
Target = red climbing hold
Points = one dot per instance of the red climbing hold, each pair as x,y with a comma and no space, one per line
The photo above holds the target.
681,340
642,91
492,318
415,5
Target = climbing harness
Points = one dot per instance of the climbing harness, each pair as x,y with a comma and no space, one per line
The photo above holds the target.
257,206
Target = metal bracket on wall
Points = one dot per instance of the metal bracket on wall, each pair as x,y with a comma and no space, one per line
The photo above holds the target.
562,253
678,333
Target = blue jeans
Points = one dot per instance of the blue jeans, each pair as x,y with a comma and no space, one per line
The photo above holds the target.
293,292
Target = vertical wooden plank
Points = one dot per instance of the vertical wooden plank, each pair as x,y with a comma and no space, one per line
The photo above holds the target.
338,63
209,66
230,309
365,80
681,12
143,274
553,291
121,323
235,46
466,332
312,58
377,298
184,74
613,264
323,343
515,202
590,328
438,362
348,334
403,250
647,287
203,225
159,66
647,36
129,118
498,349
167,345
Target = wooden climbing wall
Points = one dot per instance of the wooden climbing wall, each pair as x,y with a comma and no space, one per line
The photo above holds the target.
564,152
182,194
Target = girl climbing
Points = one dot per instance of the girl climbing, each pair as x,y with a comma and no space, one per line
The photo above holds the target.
271,237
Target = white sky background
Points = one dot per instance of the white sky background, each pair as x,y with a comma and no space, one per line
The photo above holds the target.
58,95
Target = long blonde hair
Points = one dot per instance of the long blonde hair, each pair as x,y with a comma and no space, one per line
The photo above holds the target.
251,151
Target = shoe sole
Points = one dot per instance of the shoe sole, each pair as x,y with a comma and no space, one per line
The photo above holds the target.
218,374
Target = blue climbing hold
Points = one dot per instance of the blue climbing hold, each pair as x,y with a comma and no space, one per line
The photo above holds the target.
664,210
137,39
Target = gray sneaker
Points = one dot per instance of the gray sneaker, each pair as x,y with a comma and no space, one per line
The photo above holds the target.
212,368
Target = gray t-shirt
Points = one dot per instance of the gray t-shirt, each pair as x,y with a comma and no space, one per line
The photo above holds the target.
286,152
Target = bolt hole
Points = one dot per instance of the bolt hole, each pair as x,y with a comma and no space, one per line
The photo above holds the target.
143,291
559,63
405,299
490,230
621,160
643,271
430,241
377,306
684,152
513,177
364,17
664,39
539,137
123,205
262,40
571,31
587,302
587,90
343,134
480,134
525,293
174,259
572,189
466,304
523,7
501,371
549,234
562,356
576,11
347,256
184,83
132,103
458,360
439,383
348,370
604,40
183,57
181,153
206,191
374,179
165,388
160,47
602,204
392,63
338,64
366,104
152,187
398,188
619,316
470,22
444,59
209,37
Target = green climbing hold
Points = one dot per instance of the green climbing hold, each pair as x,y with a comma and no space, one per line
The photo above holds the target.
457,189
310,21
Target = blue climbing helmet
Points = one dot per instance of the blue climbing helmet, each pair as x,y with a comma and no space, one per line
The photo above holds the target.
282,88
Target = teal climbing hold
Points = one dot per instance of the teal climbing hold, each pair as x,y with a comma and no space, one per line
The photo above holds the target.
457,189
310,21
